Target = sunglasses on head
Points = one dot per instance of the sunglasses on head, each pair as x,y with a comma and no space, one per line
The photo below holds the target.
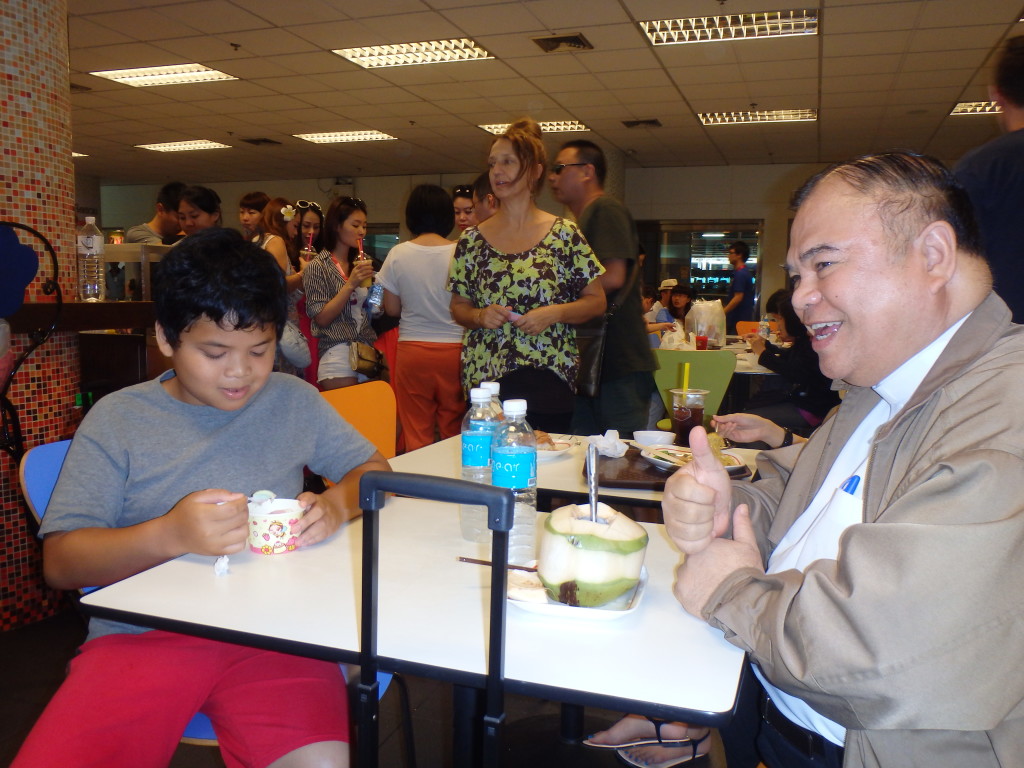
354,202
307,204
463,190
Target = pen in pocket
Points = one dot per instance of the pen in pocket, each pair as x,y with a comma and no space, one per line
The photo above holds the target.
850,485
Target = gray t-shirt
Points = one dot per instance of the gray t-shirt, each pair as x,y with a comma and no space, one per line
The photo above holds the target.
139,451
141,233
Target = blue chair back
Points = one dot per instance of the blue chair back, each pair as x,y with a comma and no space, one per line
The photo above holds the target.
39,470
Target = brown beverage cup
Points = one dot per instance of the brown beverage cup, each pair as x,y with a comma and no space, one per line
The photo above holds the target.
687,412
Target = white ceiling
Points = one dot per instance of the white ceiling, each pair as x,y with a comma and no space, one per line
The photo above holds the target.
884,74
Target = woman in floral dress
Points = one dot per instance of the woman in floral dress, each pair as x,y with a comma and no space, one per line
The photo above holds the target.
520,281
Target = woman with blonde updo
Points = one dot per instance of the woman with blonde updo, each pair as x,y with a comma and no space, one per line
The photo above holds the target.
520,281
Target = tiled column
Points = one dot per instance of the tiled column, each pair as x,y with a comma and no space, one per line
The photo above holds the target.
37,189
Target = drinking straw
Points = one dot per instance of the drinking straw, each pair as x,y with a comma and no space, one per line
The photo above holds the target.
686,376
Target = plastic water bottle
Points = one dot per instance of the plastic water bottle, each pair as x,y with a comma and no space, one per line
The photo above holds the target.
477,431
91,285
495,389
514,465
375,299
764,330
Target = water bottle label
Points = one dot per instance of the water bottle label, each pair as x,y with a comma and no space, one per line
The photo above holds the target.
514,467
87,244
476,447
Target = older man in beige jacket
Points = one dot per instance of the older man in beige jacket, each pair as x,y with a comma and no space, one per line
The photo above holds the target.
875,576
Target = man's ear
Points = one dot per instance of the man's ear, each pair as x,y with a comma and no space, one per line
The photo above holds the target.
936,244
161,342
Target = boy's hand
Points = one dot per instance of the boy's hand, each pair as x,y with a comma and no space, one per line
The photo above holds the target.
210,522
319,521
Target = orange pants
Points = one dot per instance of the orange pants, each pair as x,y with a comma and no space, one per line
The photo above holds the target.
429,391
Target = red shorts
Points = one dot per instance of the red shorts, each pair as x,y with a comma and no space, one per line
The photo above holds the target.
128,698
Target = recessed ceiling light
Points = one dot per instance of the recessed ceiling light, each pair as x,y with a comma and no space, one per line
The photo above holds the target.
183,146
408,54
976,108
549,126
78,154
173,75
342,136
759,116
739,26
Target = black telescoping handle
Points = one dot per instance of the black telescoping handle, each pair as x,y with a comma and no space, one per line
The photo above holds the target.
499,501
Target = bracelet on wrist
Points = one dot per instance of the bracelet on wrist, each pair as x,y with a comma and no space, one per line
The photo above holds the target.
787,439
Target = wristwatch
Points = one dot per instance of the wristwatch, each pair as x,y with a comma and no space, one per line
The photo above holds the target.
787,438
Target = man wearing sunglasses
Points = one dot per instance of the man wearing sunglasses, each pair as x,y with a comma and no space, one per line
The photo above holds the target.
627,371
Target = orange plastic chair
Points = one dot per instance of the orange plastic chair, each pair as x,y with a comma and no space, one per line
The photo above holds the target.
371,409
750,326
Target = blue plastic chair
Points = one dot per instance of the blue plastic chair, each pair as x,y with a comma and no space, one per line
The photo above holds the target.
39,470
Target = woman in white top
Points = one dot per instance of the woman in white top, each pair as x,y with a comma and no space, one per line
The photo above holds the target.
426,373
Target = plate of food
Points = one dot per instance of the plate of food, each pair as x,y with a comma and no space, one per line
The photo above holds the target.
550,447
671,457
526,592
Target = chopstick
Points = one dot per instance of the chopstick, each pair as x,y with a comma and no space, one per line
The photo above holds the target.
530,568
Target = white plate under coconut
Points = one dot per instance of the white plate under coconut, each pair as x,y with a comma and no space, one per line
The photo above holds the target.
621,606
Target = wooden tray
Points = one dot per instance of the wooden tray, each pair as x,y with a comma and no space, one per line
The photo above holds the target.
634,471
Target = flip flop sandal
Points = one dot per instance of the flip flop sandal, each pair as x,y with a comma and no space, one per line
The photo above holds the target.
657,741
625,757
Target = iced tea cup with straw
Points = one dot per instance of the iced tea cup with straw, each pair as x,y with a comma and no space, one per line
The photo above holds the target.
687,412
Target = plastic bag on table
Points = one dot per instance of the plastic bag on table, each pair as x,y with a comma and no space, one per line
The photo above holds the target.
709,320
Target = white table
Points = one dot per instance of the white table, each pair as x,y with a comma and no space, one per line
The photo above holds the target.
433,618
560,475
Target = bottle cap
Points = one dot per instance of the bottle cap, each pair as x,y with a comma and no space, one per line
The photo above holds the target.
514,407
491,386
90,219
478,395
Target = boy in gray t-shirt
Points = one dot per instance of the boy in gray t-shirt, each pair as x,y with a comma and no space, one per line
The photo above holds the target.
162,469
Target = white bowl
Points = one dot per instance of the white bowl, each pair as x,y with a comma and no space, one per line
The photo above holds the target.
654,437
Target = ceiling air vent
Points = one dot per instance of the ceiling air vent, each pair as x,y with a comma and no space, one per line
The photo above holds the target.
652,123
261,142
559,43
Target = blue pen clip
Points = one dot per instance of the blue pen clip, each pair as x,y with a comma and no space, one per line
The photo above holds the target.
850,485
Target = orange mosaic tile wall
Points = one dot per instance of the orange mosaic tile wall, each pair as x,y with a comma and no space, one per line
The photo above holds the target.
37,189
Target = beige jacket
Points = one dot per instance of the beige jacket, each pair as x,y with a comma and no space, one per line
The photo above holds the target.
913,638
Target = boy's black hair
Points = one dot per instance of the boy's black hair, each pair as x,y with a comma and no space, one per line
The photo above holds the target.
217,274
429,209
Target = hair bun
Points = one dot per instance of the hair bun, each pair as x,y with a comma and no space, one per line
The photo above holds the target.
525,125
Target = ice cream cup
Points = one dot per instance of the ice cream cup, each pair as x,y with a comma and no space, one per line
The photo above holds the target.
271,525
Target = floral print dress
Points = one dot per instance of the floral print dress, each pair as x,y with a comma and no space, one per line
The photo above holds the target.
555,271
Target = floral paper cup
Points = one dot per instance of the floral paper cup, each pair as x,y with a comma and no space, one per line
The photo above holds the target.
270,526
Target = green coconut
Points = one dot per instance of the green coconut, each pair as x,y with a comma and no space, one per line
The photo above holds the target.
588,563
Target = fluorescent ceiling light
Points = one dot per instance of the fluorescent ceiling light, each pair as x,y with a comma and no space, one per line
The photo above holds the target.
759,116
78,154
976,108
712,235
343,136
740,26
183,146
407,54
549,126
173,75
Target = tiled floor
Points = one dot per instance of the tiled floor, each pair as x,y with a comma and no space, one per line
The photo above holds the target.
33,659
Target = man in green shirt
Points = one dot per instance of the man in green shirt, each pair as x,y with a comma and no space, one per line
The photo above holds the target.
627,379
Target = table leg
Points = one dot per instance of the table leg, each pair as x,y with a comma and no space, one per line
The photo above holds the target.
572,723
467,706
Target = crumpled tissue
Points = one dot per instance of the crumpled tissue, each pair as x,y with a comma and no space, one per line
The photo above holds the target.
609,444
